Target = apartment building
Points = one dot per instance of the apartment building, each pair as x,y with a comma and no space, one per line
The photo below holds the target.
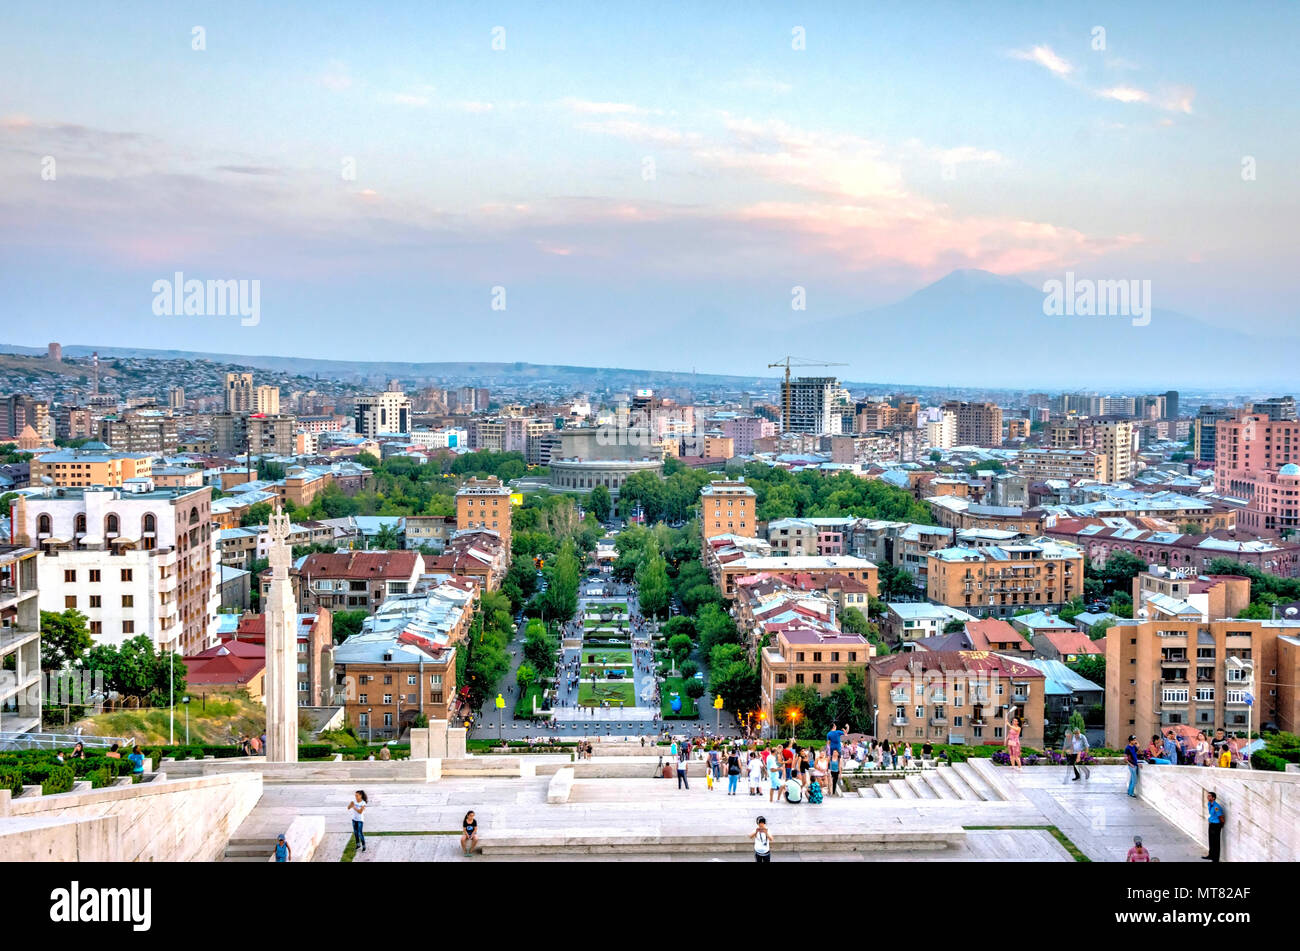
805,652
1230,674
429,531
1189,595
955,697
387,412
1250,446
73,422
142,430
239,392
17,412
728,508
1019,428
999,580
942,433
816,570
315,643
743,430
978,424
1070,464
20,641
254,433
485,504
94,464
1274,506
134,560
1113,438
266,400
353,580
1205,431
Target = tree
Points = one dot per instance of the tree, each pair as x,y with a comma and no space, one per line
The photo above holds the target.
367,459
602,504
257,514
680,625
1118,572
688,668
1099,629
388,538
652,583
715,627
694,689
1091,667
737,684
679,645
1076,721
525,677
800,707
65,637
723,655
136,669
347,623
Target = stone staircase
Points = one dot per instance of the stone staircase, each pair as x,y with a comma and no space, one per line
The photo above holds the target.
250,849
973,781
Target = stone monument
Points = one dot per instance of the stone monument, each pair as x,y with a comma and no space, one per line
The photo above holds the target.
281,687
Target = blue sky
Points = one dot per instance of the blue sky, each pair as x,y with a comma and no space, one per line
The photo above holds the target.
897,146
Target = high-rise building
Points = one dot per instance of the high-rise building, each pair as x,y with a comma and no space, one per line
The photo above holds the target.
811,404
239,392
978,424
1205,430
1277,408
387,412
18,412
143,430
266,399
255,433
73,422
1249,446
55,352
1171,404
1112,438
176,398
942,433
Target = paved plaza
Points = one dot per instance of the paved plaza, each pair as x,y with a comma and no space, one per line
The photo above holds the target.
1096,816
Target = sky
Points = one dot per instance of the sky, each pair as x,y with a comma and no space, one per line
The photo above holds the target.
593,183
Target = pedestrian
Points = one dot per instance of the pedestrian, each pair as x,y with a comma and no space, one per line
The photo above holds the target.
733,772
681,773
282,851
1170,749
78,751
1138,853
1079,746
1067,752
1013,739
708,779
835,773
358,809
1134,763
755,776
835,737
384,754
793,790
1202,750
469,833
1216,817
774,774
137,761
762,841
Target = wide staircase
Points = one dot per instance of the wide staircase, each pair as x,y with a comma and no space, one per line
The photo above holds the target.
973,781
249,849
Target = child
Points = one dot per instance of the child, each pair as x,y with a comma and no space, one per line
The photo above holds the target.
708,779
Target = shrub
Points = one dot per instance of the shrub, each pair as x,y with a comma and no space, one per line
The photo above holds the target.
60,781
11,778
99,778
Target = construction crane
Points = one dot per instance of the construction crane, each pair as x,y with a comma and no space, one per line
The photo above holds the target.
789,362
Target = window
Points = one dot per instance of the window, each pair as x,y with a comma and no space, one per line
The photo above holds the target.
96,627
410,680
835,678
817,656
388,698
94,576
79,523
96,601
363,698
128,627
126,574
43,525
817,678
70,577
111,525
798,678
70,602
798,656
128,600
388,679
435,680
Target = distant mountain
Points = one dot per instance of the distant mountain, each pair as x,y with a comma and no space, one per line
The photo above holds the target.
973,327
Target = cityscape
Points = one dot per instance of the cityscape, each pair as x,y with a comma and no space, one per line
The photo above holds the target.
508,453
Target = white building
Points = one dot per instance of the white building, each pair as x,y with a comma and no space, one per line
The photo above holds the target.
811,403
387,412
942,434
134,560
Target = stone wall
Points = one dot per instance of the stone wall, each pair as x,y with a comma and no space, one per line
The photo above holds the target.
311,771
165,820
1263,808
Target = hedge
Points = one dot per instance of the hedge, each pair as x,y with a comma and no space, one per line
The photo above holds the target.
60,781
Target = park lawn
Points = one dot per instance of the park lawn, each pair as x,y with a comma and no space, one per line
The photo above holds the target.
593,695
606,644
597,624
606,607
666,690
599,671
607,655
524,706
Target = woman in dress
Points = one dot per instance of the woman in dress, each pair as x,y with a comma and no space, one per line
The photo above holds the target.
1202,750
1013,738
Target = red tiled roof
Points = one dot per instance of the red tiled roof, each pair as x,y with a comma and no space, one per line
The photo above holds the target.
361,565
993,633
955,661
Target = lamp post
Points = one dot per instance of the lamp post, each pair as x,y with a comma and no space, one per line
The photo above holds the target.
794,719
186,700
171,696
501,706
370,725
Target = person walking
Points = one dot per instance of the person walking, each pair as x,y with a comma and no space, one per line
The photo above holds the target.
755,775
137,762
1216,817
1067,753
469,833
733,772
834,770
681,773
358,809
762,841
775,773
1079,743
282,851
1134,763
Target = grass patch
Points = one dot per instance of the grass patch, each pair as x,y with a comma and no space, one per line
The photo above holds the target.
677,685
600,669
524,705
217,720
594,695
607,656
1057,834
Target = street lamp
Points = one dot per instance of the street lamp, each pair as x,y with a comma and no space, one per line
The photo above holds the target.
186,700
370,725
794,719
501,706
875,721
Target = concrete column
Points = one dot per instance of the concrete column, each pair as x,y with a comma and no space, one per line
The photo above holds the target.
419,743
437,739
281,685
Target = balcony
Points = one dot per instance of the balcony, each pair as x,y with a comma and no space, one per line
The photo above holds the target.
12,637
900,721
1020,696
898,696
941,720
